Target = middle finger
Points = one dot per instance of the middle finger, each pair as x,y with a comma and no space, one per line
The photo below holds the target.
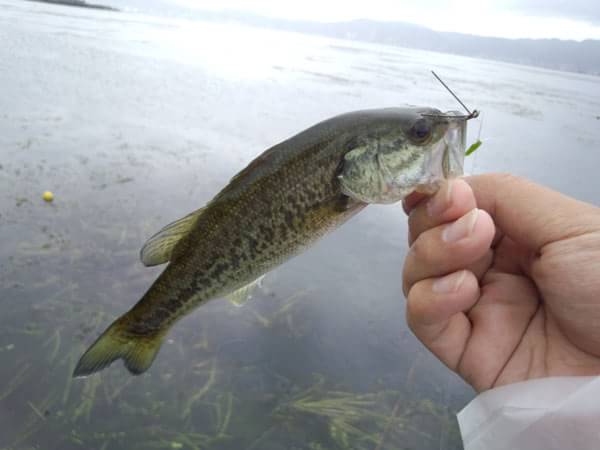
450,247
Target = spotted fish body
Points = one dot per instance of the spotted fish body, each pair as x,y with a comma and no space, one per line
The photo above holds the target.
280,204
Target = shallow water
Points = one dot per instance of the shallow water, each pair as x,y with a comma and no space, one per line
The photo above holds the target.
133,121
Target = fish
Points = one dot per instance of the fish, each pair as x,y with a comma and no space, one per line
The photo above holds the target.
279,205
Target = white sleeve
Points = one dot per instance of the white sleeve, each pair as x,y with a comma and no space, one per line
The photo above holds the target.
544,414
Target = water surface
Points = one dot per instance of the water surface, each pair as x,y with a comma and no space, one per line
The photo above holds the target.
133,121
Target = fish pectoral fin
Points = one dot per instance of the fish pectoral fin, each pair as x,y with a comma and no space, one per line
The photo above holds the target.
243,294
159,248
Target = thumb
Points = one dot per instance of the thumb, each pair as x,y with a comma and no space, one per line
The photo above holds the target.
530,214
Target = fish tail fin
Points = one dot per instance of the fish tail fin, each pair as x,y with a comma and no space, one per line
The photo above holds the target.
137,352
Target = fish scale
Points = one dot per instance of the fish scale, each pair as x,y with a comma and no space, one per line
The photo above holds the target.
280,204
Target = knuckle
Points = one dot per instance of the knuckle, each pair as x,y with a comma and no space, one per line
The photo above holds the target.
507,178
411,324
421,249
504,176
406,280
416,305
415,227
497,178
417,258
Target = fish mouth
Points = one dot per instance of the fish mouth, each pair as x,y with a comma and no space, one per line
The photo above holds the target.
455,144
383,179
455,115
444,161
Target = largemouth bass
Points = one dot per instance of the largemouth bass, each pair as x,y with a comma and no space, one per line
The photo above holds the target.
281,203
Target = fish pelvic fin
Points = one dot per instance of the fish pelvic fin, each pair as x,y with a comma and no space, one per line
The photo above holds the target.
137,352
243,294
159,248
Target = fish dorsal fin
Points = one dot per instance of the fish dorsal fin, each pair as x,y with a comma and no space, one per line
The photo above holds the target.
159,248
243,294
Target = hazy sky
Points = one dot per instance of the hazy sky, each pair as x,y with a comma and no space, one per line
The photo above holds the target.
564,19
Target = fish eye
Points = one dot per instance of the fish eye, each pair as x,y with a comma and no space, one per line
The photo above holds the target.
420,131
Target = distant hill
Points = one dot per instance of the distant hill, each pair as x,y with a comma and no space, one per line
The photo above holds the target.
573,56
582,57
77,3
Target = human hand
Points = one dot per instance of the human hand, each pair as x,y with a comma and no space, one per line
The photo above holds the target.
503,280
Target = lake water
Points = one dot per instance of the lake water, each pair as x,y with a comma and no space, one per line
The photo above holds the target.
133,121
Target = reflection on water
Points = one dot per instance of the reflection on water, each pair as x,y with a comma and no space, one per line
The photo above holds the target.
134,121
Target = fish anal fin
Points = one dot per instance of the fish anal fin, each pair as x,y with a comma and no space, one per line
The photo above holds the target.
137,352
159,248
243,294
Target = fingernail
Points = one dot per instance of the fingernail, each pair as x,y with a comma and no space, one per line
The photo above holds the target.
449,283
462,228
440,201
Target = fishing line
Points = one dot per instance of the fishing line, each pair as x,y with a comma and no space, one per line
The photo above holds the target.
470,114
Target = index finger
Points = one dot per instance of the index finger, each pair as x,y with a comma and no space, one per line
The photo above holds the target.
453,200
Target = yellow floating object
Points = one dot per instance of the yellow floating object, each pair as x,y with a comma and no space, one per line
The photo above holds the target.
48,196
